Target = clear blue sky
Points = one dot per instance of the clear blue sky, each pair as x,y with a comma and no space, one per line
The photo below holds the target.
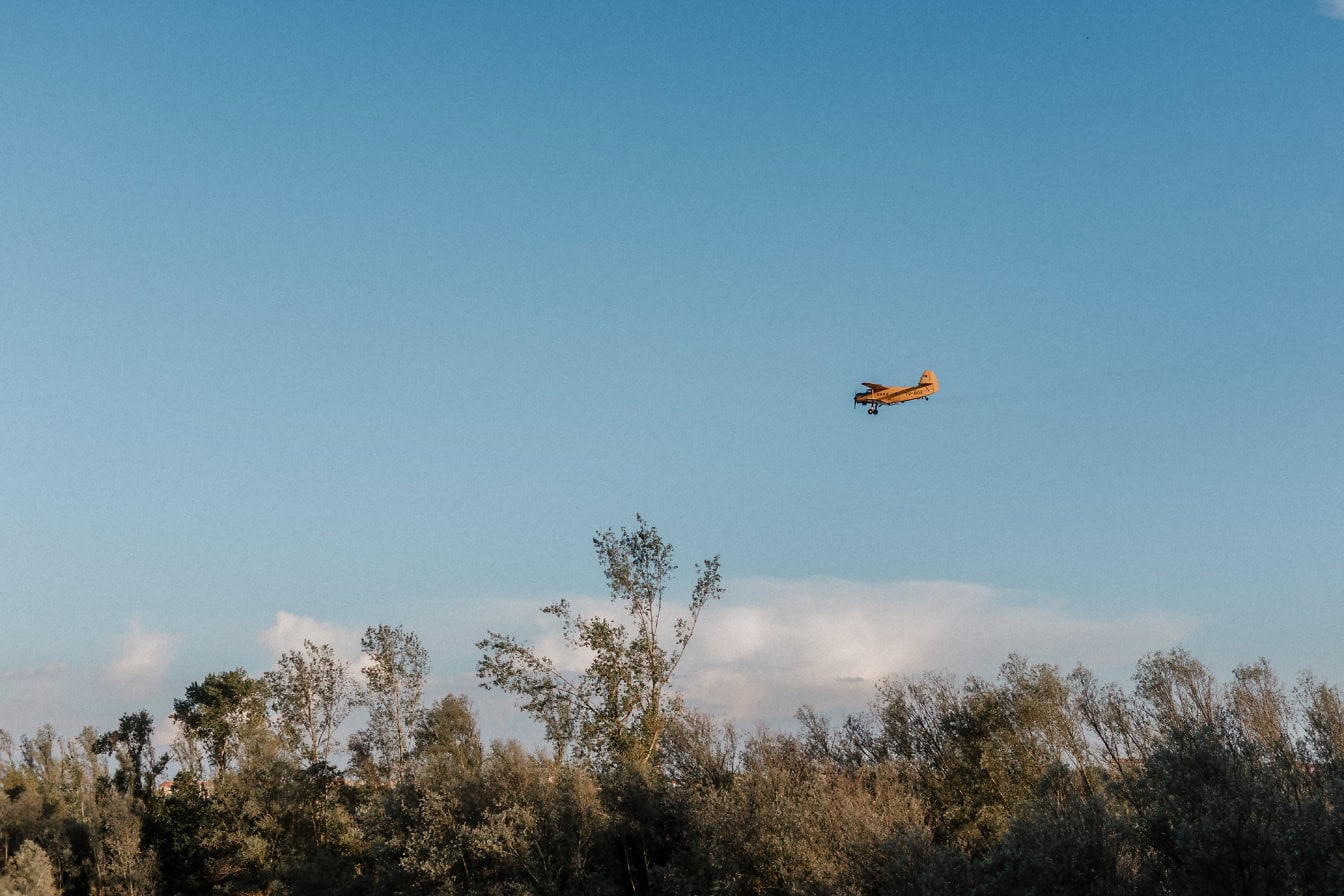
376,315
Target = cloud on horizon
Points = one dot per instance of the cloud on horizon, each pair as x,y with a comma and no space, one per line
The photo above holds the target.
781,643
54,669
1333,9
291,630
143,660
769,647
775,644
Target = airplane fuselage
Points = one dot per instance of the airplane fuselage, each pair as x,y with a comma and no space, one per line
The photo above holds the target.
884,395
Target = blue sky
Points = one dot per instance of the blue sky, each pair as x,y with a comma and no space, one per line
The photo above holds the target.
318,318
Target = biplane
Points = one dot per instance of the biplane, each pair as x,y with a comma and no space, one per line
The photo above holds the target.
878,394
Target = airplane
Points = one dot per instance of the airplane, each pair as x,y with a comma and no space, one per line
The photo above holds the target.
880,395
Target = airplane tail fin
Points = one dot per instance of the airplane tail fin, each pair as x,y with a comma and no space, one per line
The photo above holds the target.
929,378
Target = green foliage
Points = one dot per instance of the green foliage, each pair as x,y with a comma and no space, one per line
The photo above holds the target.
312,694
447,742
538,825
1032,782
1065,840
178,831
617,709
699,752
1216,813
789,823
395,681
132,744
29,873
974,754
222,711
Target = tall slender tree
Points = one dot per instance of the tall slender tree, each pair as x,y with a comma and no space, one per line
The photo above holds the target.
394,691
618,708
311,693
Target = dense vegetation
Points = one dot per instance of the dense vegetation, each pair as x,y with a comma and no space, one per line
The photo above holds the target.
1037,781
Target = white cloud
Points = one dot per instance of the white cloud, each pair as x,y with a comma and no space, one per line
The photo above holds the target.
45,671
290,631
166,732
772,645
775,644
144,657
1333,9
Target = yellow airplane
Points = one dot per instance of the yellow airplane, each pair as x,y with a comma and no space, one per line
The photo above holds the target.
879,395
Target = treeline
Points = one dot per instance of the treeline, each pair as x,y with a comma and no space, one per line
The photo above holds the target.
1037,781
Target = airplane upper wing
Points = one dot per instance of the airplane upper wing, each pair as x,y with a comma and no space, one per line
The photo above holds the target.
876,387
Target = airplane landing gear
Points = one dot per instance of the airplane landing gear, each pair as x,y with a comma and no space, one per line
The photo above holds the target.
873,411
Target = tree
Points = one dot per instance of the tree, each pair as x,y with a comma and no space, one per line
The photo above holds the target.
1112,721
1174,689
29,874
701,752
538,829
395,687
976,753
1261,708
1321,748
132,744
447,741
1323,716
312,694
448,794
793,820
179,830
1064,842
124,865
1216,814
20,813
618,708
222,710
